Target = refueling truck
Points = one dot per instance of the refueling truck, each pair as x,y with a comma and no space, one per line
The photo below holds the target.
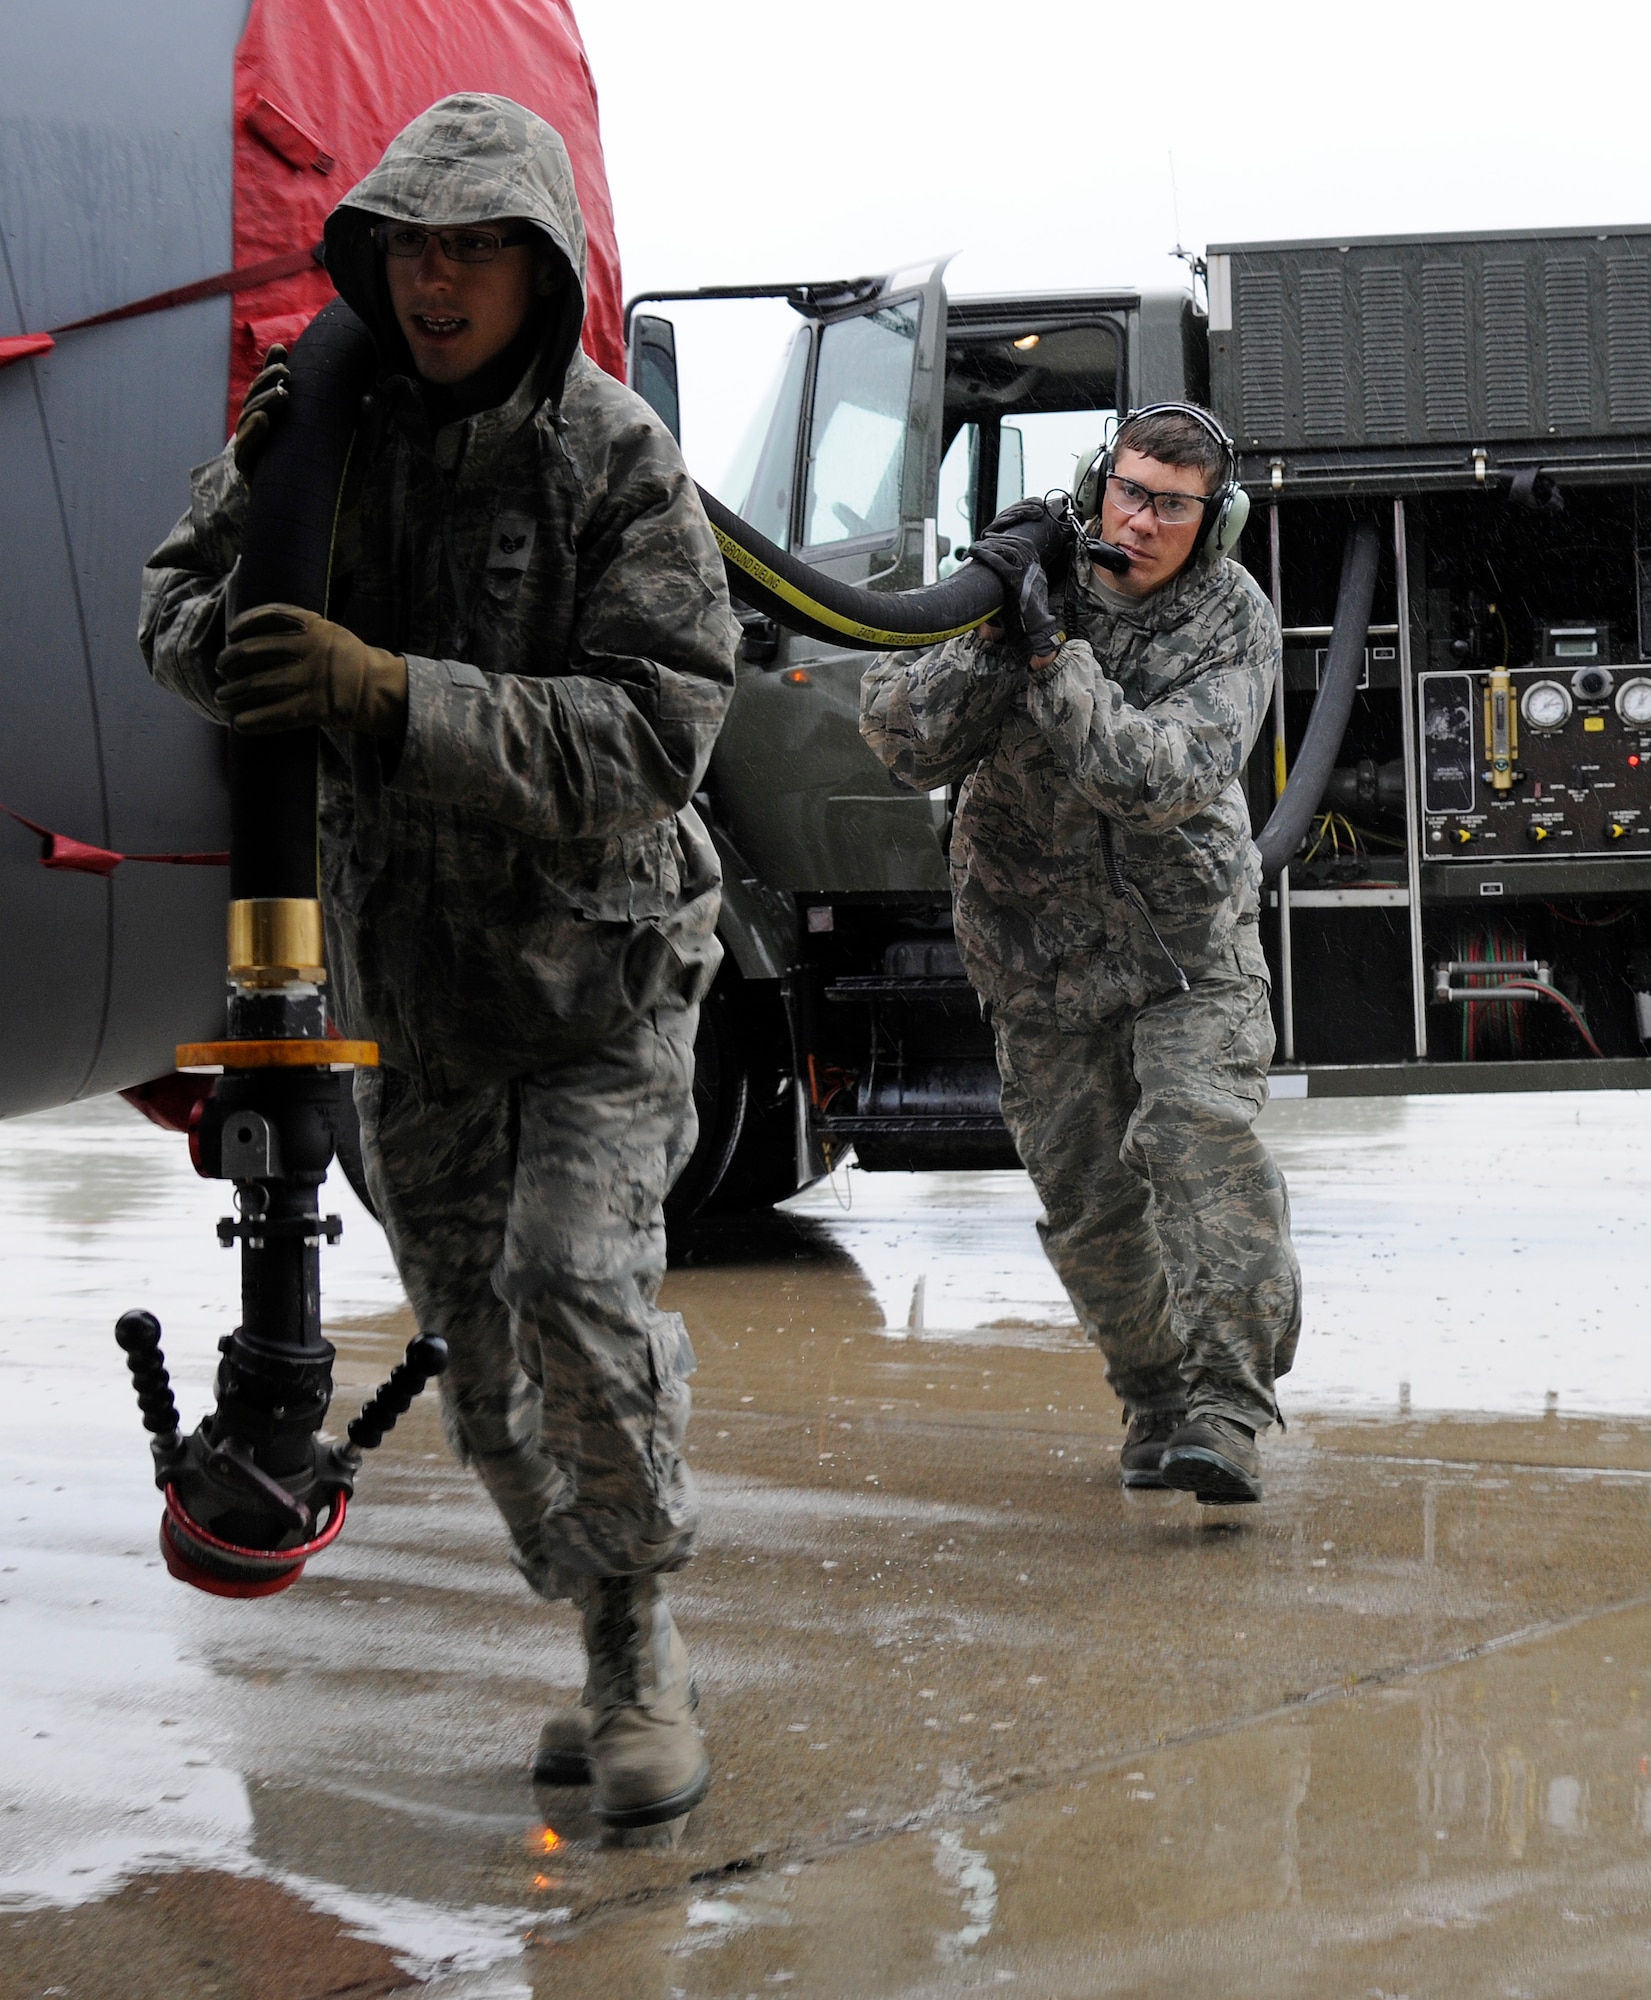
1457,894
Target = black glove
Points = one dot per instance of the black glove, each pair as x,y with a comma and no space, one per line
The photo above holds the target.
265,406
1017,511
1025,587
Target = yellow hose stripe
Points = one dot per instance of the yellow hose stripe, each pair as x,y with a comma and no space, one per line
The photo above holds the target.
820,614
1280,774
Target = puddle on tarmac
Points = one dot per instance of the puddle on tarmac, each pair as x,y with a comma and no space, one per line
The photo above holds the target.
1475,1253
1481,1831
360,1741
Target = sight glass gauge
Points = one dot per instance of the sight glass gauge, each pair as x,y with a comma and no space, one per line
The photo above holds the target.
1634,703
1546,705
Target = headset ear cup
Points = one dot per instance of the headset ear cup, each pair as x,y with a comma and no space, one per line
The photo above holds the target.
1086,493
1230,519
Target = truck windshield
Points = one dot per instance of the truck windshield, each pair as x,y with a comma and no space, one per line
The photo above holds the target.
857,440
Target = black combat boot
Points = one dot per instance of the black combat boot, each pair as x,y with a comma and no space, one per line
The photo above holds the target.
1215,1460
648,1763
1149,1431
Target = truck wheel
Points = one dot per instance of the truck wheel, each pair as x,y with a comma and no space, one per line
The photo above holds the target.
720,1096
763,1169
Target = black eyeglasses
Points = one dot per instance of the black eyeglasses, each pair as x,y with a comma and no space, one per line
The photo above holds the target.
459,246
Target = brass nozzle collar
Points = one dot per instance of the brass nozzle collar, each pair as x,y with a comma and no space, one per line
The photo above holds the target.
276,941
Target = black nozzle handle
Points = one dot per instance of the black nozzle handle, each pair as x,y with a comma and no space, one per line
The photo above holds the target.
425,1359
139,1335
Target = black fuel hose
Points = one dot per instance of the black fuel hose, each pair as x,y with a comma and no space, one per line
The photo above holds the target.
287,559
798,596
289,537
1287,827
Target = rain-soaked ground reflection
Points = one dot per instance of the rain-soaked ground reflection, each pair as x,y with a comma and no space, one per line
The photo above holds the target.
1476,1253
905,1449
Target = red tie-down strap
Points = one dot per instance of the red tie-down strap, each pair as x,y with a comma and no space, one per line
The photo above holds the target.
79,857
18,347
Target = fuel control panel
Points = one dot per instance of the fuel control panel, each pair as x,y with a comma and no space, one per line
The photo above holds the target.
1536,763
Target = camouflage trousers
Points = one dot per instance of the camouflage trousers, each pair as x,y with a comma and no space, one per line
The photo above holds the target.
525,1221
1165,1217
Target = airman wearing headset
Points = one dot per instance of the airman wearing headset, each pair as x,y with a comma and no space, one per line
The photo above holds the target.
1106,893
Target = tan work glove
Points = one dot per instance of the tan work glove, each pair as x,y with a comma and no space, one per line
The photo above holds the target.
265,406
290,669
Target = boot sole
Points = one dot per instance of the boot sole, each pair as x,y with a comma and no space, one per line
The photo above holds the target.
675,1807
1143,1478
1212,1480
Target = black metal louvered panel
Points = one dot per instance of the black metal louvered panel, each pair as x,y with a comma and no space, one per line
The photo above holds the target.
1628,339
1324,355
1382,350
1566,338
1261,307
1506,347
1445,348
1453,343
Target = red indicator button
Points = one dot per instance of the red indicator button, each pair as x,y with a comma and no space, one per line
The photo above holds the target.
1633,763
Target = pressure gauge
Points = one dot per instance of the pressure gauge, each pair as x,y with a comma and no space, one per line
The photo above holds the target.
1546,705
1634,703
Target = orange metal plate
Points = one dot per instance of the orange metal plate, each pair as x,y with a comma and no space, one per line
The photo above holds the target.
277,1055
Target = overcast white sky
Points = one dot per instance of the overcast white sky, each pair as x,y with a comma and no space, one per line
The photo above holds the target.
766,139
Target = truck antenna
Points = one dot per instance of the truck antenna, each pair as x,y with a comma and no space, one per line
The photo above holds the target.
1194,263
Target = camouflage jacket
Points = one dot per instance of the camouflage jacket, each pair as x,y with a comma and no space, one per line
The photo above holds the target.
1132,740
525,874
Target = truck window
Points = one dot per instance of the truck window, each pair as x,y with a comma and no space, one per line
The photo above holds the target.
1025,405
1035,454
959,477
763,473
857,440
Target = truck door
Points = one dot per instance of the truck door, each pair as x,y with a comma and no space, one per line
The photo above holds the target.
845,477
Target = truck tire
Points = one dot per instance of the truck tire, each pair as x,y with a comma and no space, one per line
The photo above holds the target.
745,1159
720,1091
763,1169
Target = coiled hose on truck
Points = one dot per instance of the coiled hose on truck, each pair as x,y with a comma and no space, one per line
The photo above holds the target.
1287,825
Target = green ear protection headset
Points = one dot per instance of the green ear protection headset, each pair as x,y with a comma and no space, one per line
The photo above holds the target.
1225,511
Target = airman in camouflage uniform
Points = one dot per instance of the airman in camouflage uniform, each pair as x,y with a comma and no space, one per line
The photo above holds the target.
520,900
1106,894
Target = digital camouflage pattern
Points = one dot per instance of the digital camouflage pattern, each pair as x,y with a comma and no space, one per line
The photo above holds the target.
521,902
1130,1101
529,872
1141,726
525,1221
1164,1215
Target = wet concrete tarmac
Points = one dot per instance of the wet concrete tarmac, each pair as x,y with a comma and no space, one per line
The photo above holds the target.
979,1720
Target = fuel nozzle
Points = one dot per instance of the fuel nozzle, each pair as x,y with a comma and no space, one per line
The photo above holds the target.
255,1490
230,1527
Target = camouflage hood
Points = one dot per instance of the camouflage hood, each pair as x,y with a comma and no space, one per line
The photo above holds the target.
471,158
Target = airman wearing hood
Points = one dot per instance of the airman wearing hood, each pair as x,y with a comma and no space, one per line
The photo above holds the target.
521,902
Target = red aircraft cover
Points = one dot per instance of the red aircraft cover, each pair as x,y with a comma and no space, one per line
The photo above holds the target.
322,86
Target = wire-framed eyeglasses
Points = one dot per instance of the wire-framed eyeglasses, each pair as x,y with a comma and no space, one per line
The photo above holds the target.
459,246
